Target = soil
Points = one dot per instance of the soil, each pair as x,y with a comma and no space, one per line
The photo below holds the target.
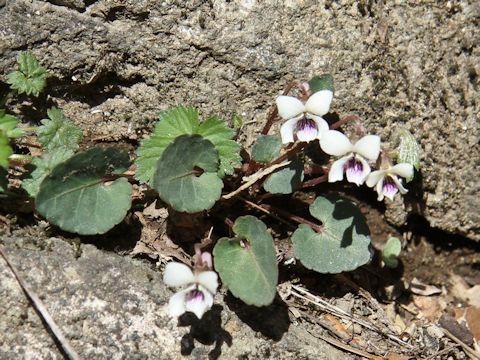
116,64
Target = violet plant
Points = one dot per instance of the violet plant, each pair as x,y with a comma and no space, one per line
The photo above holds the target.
196,167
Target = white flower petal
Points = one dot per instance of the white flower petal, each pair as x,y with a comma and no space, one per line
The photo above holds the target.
209,280
177,274
379,189
333,142
400,187
319,102
199,305
375,177
368,146
287,130
404,170
358,173
289,107
337,169
176,305
322,125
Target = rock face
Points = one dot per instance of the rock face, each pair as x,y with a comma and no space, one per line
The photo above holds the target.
115,64
113,307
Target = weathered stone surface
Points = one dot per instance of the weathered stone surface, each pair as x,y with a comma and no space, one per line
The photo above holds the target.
120,62
113,307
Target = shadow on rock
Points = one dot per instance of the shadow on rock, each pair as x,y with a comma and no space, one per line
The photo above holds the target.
207,331
271,321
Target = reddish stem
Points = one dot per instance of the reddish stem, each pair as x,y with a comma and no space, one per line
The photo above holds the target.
297,219
343,121
274,112
315,181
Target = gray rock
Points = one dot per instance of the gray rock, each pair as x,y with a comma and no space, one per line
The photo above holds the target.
119,63
113,307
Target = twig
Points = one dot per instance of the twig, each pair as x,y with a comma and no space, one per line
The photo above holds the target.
346,347
266,211
470,352
299,220
442,351
42,311
252,179
343,314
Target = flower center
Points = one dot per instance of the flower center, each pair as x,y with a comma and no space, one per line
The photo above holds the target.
306,129
389,187
195,295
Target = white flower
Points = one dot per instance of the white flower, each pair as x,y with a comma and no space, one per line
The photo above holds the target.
354,156
387,181
304,121
197,297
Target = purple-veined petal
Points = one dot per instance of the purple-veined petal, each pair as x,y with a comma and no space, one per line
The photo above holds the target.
337,169
289,107
404,170
209,280
176,305
198,301
306,129
177,274
357,169
389,187
399,185
287,130
322,125
333,142
319,102
375,177
379,189
368,146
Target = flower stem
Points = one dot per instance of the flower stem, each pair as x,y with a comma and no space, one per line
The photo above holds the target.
295,218
343,121
274,113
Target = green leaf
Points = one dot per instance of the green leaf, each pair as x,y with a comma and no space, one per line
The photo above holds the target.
391,251
266,148
286,180
322,82
41,166
31,77
344,243
3,180
409,150
184,121
247,263
58,131
237,122
77,196
187,174
5,150
8,125
215,130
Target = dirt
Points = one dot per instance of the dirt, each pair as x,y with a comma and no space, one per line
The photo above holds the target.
116,64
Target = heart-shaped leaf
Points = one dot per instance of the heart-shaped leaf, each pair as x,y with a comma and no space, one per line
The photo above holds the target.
266,148
187,174
184,121
286,180
247,263
322,82
344,243
78,196
391,251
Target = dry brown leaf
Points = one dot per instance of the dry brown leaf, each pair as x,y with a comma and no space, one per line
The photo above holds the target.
458,330
471,317
429,307
461,290
418,288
